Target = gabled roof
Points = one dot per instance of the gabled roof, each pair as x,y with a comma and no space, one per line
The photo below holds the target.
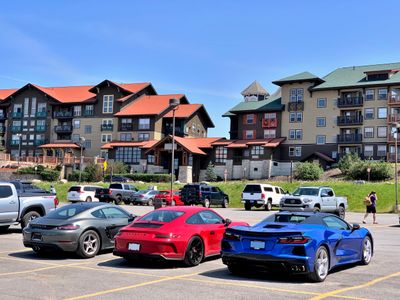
127,87
303,76
150,105
357,76
255,89
6,92
187,110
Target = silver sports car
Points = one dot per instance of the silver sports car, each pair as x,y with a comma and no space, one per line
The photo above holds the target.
84,228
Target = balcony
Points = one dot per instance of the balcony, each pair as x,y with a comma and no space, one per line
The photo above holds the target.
107,127
41,128
349,120
350,138
16,128
350,102
88,113
63,114
394,100
14,142
296,106
63,128
126,127
270,123
41,114
16,114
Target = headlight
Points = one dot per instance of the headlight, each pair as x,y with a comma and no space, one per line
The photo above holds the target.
307,200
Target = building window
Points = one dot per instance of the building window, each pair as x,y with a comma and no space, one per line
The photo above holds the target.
382,94
249,134
75,138
295,117
257,150
295,151
295,134
126,137
144,123
26,107
33,109
107,122
269,133
126,124
321,121
77,124
88,128
381,151
321,139
17,108
105,138
77,111
108,102
382,112
89,110
42,107
321,102
334,154
270,116
129,155
382,131
249,119
296,95
369,94
368,150
368,113
368,132
87,144
144,136
221,154
151,159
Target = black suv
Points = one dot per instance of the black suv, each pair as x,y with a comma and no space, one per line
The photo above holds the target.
203,194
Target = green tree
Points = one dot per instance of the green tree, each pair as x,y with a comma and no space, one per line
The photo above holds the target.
210,173
347,161
308,171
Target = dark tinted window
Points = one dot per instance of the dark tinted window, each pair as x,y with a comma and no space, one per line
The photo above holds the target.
205,189
67,211
214,189
286,218
5,191
162,216
113,212
277,190
336,223
252,188
268,189
210,217
90,188
115,186
74,189
306,192
98,214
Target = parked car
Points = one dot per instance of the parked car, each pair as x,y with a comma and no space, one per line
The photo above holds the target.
120,179
84,228
204,194
261,195
166,198
23,206
117,193
185,233
78,193
315,199
27,187
297,242
143,197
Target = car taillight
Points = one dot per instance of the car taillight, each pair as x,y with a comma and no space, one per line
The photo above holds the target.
262,196
297,240
141,196
199,194
167,236
109,192
68,227
231,236
81,191
56,202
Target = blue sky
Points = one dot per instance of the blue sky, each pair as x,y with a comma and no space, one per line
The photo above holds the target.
209,50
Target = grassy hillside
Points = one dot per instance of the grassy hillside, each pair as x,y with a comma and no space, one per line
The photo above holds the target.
355,193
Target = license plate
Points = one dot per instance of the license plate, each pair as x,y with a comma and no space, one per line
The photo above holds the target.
134,247
257,245
36,236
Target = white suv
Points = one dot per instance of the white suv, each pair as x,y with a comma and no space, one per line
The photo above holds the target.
258,195
78,193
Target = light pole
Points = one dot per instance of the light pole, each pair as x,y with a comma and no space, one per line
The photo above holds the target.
395,130
173,103
82,140
19,147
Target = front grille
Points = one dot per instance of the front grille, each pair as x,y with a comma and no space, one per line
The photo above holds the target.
292,201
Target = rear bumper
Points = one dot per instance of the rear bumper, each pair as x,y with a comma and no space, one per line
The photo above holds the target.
143,256
56,240
105,198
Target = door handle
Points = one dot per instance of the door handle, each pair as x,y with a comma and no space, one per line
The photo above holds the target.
212,232
12,202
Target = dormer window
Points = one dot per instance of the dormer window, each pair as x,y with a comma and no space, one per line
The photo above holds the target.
378,76
250,98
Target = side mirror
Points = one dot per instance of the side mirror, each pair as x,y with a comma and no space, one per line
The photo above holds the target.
356,226
131,218
227,222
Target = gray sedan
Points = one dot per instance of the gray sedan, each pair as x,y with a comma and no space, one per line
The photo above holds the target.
144,197
84,228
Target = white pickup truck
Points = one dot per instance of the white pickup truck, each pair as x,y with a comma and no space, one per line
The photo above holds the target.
22,206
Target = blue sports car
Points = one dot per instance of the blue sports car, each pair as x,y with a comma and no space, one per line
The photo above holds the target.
298,243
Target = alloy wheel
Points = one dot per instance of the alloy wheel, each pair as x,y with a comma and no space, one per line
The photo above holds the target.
196,252
90,244
367,250
322,263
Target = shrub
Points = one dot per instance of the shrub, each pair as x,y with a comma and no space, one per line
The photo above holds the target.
308,171
75,176
346,162
117,167
379,171
210,173
94,172
50,175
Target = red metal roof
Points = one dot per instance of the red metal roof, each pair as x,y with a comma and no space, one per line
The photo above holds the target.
268,143
7,92
141,144
184,110
60,145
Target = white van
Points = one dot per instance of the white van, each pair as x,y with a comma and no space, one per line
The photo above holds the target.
258,195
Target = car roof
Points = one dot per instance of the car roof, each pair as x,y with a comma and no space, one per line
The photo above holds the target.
189,209
90,204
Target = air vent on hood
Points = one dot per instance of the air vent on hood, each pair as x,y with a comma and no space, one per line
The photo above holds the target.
147,225
274,226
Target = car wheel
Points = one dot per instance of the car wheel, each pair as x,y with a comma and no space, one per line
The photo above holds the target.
268,206
89,244
29,217
118,200
206,203
38,250
225,203
321,265
126,202
235,269
316,209
89,199
4,228
247,206
367,251
341,212
195,252
150,202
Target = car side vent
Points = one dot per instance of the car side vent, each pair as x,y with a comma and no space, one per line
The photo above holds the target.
274,226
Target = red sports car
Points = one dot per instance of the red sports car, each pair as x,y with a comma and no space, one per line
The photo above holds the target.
165,196
186,233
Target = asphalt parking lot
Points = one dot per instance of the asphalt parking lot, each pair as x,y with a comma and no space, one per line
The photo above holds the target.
25,275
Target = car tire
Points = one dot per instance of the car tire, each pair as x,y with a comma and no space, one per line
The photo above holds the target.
29,216
89,244
341,212
247,206
316,209
235,269
194,253
321,265
367,251
88,199
206,203
39,250
225,203
4,228
118,200
268,206
127,202
150,202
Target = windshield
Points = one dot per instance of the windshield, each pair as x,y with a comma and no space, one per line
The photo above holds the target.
67,212
306,192
162,216
277,218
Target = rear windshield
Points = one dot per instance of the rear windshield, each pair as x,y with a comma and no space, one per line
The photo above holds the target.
115,186
74,189
286,218
252,188
306,192
165,216
67,211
